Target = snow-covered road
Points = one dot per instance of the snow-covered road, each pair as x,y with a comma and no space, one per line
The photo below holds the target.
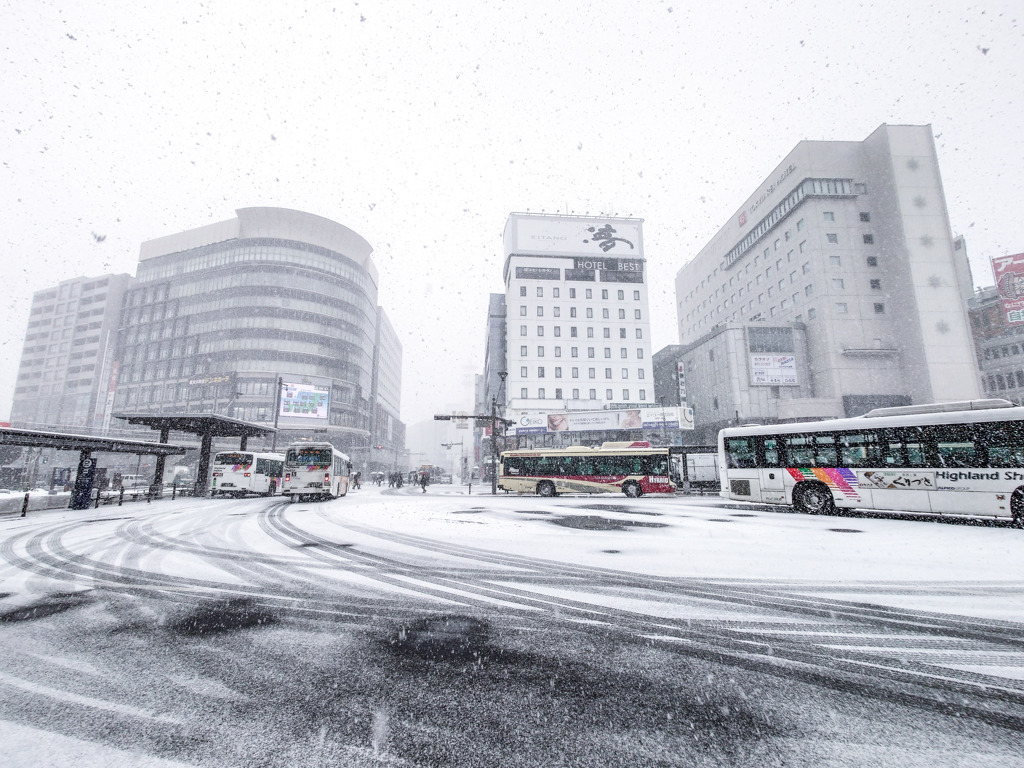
919,620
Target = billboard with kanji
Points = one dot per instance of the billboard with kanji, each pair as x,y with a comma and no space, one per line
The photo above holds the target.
1009,275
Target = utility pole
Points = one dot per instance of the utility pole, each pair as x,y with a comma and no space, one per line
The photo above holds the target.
495,419
277,411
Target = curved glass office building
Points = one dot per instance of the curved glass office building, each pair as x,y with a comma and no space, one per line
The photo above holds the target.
223,316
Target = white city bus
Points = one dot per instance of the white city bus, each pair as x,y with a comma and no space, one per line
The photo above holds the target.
964,458
315,469
237,473
634,468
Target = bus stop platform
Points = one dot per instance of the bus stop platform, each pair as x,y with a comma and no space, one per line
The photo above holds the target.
86,445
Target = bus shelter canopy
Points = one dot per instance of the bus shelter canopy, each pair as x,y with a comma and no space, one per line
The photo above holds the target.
207,426
30,438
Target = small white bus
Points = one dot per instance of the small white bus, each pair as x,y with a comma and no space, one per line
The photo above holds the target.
315,469
238,473
964,458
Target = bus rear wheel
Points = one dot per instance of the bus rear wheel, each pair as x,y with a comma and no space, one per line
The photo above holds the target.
546,488
814,499
632,490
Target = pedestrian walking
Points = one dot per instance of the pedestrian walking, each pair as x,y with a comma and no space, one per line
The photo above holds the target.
423,481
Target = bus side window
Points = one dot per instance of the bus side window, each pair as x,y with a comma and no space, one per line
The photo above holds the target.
739,452
1004,443
954,445
800,450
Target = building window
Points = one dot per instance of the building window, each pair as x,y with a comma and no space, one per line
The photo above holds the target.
522,310
879,308
590,333
643,394
541,393
572,311
835,260
841,308
574,351
557,311
575,373
522,290
558,330
590,293
540,351
558,373
639,373
540,311
625,394
540,330
540,372
622,295
832,237
558,351
590,312
593,394
872,261
639,333
604,313
837,284
714,403
608,395
864,216
806,268
592,373
572,331
540,292
607,333
622,314
572,293
522,393
625,373
558,394
604,293
639,354
622,333
590,351
869,239
575,394
522,352
522,330
828,216
876,285
812,313
808,290
554,292
607,351
636,295
607,373
800,226
523,372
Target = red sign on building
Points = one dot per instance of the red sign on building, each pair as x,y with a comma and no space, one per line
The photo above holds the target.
1009,275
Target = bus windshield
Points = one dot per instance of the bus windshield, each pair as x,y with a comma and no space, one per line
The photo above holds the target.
240,459
309,456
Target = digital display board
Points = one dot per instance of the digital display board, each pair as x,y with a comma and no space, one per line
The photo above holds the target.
305,401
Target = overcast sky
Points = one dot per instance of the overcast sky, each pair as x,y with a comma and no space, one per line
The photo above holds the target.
421,125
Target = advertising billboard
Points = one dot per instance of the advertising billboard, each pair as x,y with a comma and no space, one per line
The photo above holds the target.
773,369
617,237
305,400
1009,275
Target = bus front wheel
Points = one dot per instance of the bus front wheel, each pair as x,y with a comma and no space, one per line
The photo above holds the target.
632,490
814,499
546,488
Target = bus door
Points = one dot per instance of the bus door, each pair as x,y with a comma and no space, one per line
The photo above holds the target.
772,461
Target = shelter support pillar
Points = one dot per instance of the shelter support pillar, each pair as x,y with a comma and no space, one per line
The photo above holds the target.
202,479
157,488
243,442
81,494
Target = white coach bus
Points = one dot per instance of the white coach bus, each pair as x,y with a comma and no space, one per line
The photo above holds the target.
315,469
237,473
964,458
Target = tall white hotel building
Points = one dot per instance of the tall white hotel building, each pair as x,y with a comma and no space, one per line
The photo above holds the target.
578,327
846,248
